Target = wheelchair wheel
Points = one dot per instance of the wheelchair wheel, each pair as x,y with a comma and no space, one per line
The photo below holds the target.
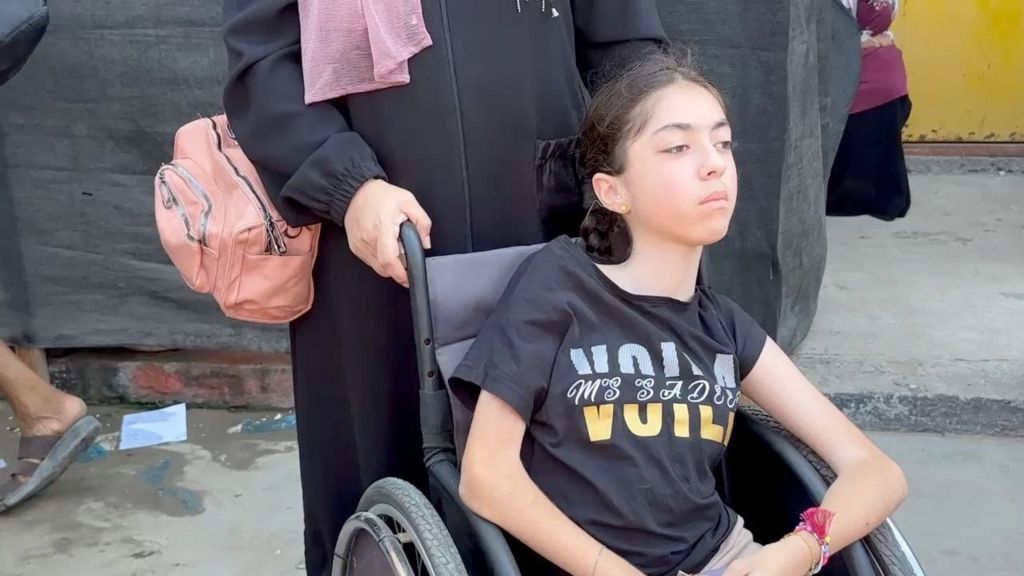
410,516
886,544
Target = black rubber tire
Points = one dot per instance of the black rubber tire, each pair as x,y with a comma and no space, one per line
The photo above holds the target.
433,544
885,545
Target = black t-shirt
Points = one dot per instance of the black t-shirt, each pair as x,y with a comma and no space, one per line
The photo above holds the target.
629,402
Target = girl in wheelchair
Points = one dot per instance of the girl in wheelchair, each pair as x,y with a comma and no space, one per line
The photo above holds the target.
606,384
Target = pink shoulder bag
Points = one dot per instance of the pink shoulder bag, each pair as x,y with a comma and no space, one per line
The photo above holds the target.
224,235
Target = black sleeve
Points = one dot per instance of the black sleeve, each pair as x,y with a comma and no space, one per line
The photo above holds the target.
748,335
610,33
308,157
515,351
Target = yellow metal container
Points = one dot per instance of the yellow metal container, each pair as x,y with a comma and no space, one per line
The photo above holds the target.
965,62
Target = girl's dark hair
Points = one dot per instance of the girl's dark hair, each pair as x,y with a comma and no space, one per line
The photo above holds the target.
617,114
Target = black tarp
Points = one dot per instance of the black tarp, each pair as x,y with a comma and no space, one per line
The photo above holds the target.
83,129
85,125
788,70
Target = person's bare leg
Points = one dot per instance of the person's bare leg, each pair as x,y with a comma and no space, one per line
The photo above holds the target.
39,409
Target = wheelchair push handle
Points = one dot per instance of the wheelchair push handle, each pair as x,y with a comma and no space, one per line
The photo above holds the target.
419,294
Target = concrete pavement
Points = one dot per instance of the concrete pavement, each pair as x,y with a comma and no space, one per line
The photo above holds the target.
220,504
920,324
963,515
229,504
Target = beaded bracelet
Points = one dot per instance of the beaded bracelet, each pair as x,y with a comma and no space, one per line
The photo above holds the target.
817,522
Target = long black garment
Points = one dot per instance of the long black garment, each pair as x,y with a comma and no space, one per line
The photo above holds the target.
482,137
869,176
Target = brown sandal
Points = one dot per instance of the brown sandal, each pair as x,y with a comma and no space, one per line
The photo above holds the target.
55,454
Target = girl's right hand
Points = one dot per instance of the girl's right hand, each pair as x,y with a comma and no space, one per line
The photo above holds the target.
372,223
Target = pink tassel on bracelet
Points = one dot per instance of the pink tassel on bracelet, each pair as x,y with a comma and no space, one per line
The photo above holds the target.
818,523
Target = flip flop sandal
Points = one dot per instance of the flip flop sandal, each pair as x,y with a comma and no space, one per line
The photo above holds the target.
55,454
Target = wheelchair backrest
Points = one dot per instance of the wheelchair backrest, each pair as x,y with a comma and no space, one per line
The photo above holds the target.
464,291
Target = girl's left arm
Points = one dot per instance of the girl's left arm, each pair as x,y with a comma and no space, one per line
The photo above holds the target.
869,485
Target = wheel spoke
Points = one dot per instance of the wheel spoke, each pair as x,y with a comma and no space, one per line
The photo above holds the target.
408,541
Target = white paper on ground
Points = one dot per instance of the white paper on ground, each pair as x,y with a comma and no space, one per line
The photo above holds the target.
154,427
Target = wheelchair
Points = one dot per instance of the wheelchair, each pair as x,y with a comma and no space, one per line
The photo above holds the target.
767,476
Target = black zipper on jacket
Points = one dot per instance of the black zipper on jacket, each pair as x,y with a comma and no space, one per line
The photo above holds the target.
458,120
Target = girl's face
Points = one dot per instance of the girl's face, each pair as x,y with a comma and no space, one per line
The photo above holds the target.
680,179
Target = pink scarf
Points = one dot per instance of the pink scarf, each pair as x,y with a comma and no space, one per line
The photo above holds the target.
352,46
